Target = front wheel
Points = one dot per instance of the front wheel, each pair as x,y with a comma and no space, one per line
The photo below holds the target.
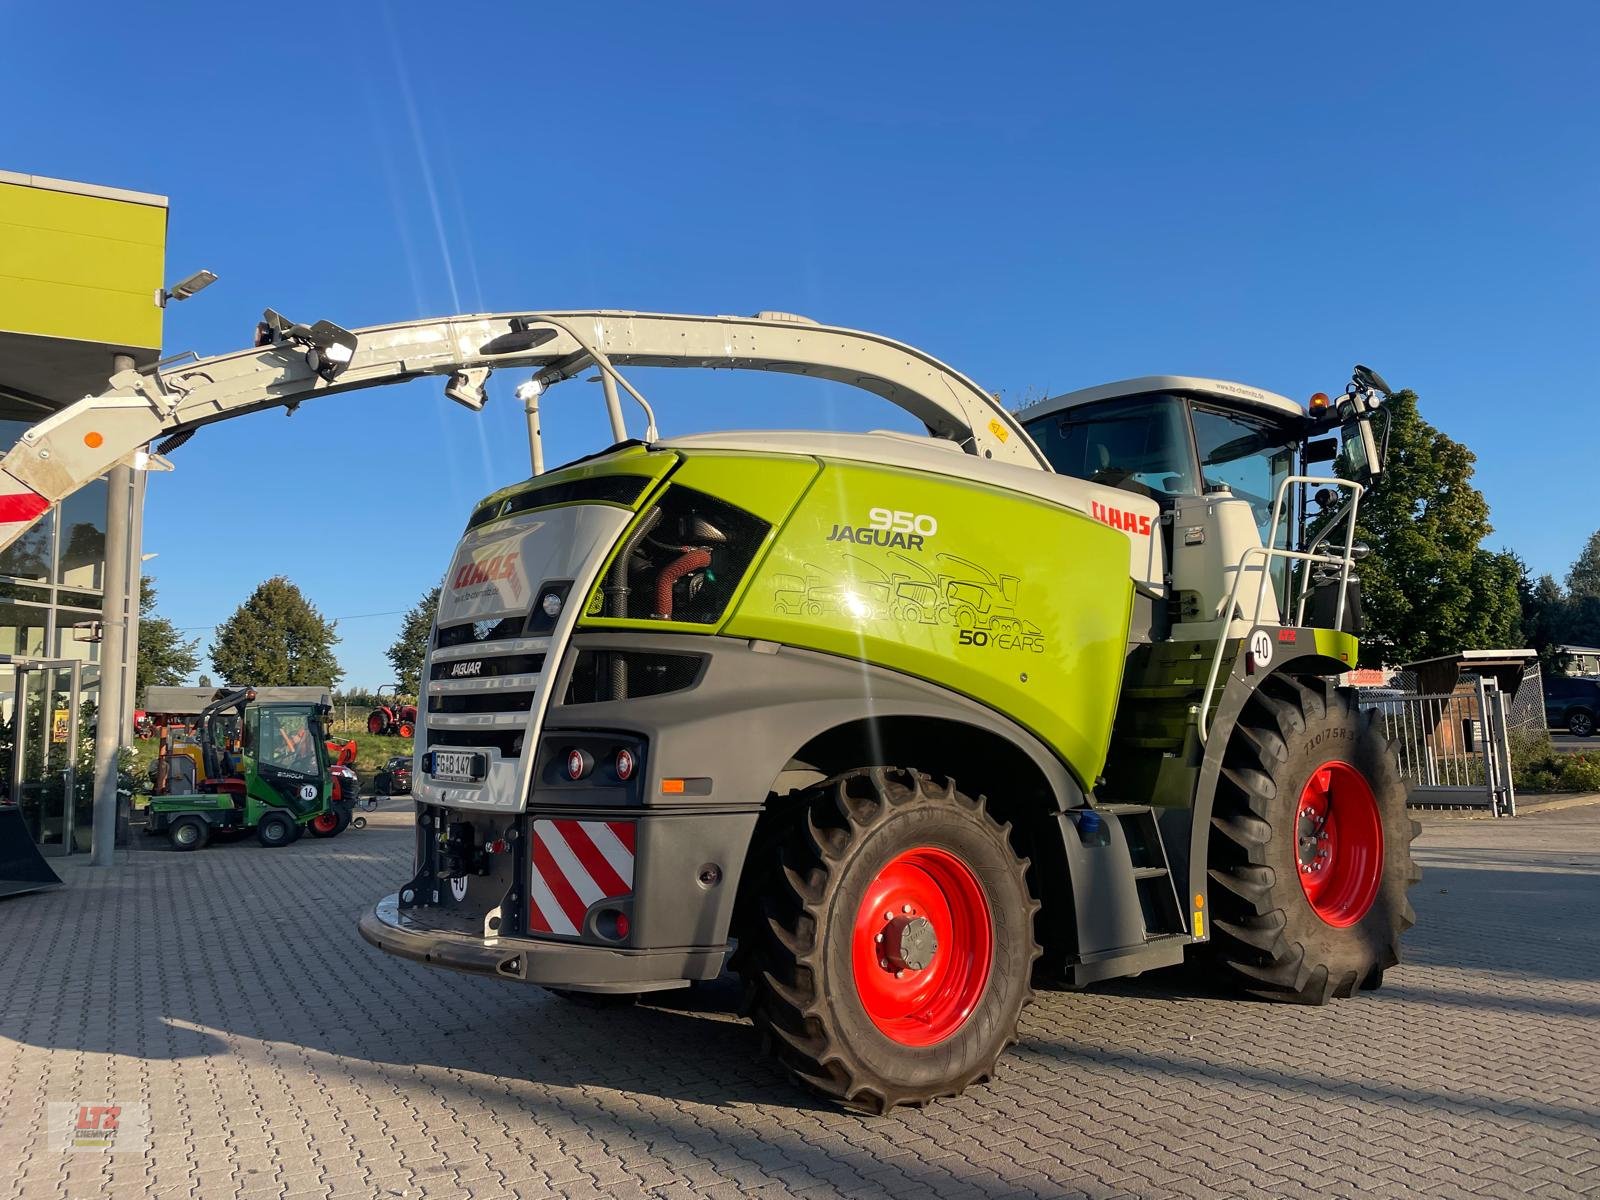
888,945
275,830
1310,855
1580,724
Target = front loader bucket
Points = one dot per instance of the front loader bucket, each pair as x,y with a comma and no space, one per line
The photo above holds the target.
22,868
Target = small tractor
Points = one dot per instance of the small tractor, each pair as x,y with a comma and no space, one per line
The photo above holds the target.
895,727
247,766
397,718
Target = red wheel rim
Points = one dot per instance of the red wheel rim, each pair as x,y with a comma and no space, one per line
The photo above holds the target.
921,946
1338,843
324,822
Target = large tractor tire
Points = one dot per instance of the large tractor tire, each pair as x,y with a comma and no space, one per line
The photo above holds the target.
1310,846
378,722
886,939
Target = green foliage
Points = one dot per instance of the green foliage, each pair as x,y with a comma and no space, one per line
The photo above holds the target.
166,657
1540,767
1430,587
276,639
409,648
1583,580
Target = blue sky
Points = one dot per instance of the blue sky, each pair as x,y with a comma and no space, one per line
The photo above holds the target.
1045,196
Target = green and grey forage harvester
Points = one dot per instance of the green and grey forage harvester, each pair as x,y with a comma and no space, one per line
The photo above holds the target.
895,725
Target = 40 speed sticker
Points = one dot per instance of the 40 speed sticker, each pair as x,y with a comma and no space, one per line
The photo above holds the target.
1261,647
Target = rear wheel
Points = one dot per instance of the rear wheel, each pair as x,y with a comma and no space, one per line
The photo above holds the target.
1310,847
276,829
325,824
188,833
887,943
1580,723
377,723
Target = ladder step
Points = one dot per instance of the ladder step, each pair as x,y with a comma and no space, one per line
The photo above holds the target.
1149,872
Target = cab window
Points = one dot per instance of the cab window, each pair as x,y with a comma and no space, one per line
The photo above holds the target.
1140,444
1252,457
288,742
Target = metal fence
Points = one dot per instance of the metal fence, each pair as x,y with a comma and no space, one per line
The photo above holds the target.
1455,748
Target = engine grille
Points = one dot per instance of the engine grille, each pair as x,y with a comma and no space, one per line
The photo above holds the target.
481,702
488,667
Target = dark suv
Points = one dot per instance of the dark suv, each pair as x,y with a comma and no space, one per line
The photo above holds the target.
1572,704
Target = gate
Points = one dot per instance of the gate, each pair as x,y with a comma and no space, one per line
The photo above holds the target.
1454,748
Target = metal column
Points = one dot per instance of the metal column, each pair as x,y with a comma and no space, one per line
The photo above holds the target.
113,716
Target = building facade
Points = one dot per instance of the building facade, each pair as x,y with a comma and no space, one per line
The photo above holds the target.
81,271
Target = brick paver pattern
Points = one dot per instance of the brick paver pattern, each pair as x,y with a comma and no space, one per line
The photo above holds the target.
280,1056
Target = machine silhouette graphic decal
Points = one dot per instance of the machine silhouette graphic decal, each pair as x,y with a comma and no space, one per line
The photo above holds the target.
955,592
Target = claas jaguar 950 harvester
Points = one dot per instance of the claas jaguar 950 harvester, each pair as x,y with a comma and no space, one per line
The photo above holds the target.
896,726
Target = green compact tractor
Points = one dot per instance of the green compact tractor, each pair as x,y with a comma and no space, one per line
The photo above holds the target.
896,725
249,766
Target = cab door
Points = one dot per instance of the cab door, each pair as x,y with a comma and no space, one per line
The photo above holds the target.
288,756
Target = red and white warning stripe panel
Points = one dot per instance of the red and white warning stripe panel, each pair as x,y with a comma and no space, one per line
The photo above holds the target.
20,507
575,864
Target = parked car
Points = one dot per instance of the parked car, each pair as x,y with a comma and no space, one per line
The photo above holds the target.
394,778
1572,703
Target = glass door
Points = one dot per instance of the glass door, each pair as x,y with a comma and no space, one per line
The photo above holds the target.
44,743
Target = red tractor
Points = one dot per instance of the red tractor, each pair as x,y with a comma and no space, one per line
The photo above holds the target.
392,718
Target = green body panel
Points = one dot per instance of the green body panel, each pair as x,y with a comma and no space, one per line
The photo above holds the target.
1339,645
1020,604
766,485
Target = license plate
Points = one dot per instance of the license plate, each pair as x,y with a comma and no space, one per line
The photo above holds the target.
457,766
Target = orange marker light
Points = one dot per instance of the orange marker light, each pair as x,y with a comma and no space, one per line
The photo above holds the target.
93,440
672,787
1319,402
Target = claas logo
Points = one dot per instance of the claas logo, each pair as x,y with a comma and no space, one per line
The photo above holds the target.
488,570
1120,518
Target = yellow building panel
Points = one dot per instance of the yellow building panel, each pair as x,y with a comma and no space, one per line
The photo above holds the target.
83,267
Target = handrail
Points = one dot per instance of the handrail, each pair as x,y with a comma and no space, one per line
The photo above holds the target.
1269,552
1356,490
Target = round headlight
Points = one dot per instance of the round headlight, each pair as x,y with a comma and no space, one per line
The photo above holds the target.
551,603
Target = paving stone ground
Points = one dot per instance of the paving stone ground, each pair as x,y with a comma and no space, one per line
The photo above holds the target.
279,1056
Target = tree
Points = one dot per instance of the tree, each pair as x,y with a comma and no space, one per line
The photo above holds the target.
1430,587
407,652
1583,580
276,639
1546,616
165,656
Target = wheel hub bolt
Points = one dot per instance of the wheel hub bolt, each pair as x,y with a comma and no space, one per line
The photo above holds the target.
909,944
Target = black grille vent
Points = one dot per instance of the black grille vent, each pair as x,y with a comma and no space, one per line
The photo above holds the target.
594,674
488,668
481,702
604,489
507,741
480,631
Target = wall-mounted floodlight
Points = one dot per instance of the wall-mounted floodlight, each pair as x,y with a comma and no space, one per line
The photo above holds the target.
184,288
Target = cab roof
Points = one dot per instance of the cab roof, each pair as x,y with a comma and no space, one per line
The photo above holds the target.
1235,395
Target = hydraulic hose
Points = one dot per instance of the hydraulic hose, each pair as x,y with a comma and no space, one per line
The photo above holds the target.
693,558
